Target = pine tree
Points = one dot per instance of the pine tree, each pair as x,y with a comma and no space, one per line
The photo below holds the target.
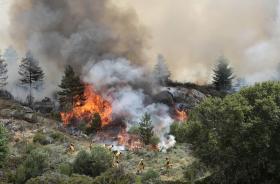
72,90
32,75
3,73
223,75
146,129
161,72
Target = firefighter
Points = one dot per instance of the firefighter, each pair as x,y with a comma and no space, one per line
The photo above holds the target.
91,144
71,148
140,166
116,164
117,155
168,164
110,148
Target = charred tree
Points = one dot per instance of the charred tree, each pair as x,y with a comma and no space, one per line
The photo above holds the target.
72,90
32,76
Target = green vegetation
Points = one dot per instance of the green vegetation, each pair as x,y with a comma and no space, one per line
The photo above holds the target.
36,163
114,176
238,136
234,139
146,128
95,125
179,130
55,178
150,177
93,163
41,138
3,144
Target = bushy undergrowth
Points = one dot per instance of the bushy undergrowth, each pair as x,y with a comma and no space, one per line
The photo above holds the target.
36,163
3,144
238,136
93,163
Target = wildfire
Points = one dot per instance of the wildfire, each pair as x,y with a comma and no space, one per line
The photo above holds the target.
130,141
94,103
181,115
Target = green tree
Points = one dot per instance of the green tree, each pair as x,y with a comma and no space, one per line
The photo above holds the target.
3,72
3,145
95,125
238,137
223,75
32,75
72,90
146,128
94,163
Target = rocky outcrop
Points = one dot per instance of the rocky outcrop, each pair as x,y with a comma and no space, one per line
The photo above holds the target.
44,106
185,98
6,95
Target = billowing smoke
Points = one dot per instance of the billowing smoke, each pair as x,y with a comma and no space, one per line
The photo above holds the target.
191,38
74,32
117,80
192,34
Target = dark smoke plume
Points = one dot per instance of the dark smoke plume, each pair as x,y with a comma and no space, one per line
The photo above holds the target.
75,32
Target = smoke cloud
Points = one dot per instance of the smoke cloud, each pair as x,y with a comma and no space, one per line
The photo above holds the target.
193,34
75,32
190,34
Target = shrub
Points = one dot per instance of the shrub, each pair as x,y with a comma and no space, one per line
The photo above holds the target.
93,163
3,144
30,147
83,163
34,165
79,179
154,140
238,136
49,178
150,177
179,131
66,169
41,138
195,171
57,136
115,176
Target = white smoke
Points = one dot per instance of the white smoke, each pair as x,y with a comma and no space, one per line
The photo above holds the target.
265,52
116,80
167,143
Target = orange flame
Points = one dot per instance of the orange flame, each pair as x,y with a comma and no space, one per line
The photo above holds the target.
94,103
130,141
181,115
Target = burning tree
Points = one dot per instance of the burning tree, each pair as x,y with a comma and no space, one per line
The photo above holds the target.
72,90
32,75
161,72
223,75
146,129
3,72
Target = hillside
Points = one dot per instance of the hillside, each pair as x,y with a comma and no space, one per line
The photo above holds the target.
28,129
